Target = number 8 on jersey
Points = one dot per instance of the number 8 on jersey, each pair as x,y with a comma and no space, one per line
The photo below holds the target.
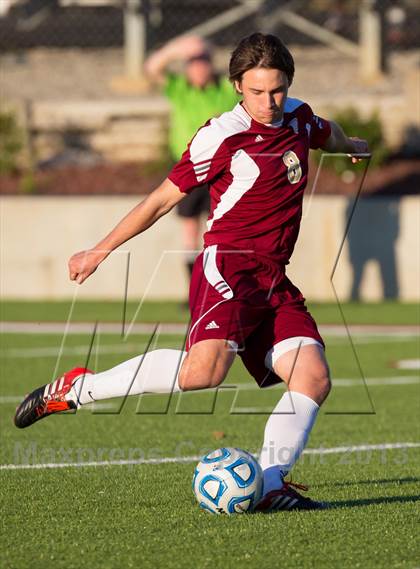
294,171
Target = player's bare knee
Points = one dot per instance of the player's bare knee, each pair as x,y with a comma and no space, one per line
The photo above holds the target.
325,385
320,375
206,365
197,373
192,378
184,379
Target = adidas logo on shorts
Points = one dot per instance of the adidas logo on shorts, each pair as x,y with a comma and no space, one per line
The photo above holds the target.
211,325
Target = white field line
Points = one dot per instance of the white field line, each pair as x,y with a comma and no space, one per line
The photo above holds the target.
368,339
345,382
187,459
397,380
408,364
81,350
87,328
173,328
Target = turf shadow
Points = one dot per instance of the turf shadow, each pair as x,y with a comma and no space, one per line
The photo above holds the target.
372,501
407,480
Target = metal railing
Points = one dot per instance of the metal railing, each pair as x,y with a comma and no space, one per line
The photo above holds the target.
365,29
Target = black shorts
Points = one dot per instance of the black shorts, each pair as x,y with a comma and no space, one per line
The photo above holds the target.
195,203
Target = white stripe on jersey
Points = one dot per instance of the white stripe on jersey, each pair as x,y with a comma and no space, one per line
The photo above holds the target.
201,167
212,273
244,171
209,138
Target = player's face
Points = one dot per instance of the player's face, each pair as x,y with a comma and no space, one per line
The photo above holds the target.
264,93
199,72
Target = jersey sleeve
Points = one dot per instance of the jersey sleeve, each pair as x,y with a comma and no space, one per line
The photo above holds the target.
205,159
320,131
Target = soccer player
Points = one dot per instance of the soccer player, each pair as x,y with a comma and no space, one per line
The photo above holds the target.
255,160
195,95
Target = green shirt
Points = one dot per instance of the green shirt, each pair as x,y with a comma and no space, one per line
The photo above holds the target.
192,107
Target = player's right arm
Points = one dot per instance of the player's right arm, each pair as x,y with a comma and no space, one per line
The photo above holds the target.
140,218
205,158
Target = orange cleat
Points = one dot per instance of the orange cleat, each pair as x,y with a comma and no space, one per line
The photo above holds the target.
48,399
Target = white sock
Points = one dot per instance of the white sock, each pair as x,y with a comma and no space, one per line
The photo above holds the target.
286,434
154,372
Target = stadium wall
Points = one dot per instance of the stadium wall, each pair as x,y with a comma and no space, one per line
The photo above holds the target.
38,234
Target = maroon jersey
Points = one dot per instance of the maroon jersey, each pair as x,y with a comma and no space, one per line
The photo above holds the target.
256,174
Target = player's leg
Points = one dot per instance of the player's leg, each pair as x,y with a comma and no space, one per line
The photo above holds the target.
206,364
158,371
212,344
287,347
305,371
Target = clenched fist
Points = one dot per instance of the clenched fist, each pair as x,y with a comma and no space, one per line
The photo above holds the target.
84,263
360,149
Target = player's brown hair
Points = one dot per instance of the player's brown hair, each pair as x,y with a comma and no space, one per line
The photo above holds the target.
261,50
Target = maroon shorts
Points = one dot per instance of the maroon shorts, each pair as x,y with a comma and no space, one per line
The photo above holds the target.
248,300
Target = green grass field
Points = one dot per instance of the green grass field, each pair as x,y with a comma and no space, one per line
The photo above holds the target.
172,311
145,515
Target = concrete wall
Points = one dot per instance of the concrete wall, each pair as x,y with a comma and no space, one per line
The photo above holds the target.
118,130
38,234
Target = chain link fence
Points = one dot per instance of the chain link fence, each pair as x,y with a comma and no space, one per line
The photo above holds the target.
100,23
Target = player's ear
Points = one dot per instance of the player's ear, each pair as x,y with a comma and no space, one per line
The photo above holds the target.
238,86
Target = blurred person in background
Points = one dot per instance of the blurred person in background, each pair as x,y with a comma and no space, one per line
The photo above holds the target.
196,94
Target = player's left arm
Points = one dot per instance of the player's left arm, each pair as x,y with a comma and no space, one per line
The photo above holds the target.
338,141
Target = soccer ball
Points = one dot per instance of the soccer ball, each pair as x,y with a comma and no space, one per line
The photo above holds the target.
228,481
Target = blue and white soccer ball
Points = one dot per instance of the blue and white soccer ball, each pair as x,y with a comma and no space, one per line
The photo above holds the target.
228,481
